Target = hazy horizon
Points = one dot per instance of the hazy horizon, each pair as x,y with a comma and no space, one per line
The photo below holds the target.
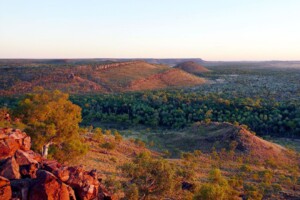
213,31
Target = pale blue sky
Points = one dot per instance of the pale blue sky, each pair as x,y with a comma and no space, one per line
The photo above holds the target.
211,29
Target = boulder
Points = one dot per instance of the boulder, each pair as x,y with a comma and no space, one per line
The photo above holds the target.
24,174
5,189
47,186
24,158
8,147
27,162
29,171
11,140
85,184
50,165
35,156
63,174
9,168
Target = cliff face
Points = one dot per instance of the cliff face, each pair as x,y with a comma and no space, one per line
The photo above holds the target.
24,174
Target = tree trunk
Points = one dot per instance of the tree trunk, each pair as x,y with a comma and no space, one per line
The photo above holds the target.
45,150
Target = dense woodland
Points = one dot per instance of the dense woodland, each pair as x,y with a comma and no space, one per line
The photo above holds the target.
179,109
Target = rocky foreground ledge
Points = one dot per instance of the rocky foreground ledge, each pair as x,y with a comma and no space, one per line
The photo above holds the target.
24,174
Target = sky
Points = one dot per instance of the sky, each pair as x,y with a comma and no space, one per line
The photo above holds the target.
211,29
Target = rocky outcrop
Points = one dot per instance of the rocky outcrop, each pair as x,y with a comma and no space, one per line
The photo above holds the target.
9,168
47,186
25,175
11,140
5,189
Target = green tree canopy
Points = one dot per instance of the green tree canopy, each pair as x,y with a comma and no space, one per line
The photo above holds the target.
52,120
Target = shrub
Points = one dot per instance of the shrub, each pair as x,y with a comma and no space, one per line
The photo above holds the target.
118,137
132,192
108,145
98,135
139,142
217,188
245,168
151,176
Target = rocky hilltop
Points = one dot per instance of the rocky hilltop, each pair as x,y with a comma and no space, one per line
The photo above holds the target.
24,174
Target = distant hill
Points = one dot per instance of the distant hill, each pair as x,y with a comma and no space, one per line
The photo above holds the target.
169,78
218,136
192,67
77,76
165,61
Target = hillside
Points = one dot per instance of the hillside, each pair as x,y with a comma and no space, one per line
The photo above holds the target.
169,78
192,67
103,77
218,136
246,175
251,159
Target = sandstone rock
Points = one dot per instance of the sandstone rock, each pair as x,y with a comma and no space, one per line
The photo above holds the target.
29,171
85,184
9,168
5,189
63,174
50,165
28,165
35,156
8,147
11,140
47,186
32,177
24,158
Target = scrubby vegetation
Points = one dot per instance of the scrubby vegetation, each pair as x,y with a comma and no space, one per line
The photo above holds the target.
195,143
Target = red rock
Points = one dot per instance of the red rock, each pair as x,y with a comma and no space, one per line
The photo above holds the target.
26,143
29,171
9,168
5,189
104,194
11,140
47,186
8,147
34,156
50,165
85,184
63,174
28,165
24,158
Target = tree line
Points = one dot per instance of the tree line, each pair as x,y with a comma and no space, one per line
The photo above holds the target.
178,109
